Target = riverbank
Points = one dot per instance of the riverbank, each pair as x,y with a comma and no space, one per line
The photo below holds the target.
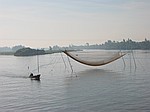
6,53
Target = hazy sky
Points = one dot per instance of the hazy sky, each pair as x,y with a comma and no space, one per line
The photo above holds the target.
41,23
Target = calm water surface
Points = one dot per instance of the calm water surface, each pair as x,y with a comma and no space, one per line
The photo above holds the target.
110,88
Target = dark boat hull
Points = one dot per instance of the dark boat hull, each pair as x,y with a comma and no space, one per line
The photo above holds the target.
35,77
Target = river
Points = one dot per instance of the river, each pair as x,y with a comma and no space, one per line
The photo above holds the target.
110,88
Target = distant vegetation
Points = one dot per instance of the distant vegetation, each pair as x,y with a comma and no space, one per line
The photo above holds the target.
9,49
115,45
28,52
109,45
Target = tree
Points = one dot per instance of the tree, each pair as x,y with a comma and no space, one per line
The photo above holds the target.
15,48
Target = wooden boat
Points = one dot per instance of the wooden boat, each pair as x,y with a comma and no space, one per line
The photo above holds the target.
34,77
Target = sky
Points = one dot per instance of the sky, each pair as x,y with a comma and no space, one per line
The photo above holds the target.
44,23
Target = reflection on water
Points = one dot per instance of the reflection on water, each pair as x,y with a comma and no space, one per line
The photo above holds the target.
109,88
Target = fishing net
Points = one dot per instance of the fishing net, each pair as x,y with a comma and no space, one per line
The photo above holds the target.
94,58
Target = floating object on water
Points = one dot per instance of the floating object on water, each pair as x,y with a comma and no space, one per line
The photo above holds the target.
34,77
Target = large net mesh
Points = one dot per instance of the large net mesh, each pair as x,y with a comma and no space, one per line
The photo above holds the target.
94,58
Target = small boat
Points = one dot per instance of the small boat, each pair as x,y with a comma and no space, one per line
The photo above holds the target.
34,77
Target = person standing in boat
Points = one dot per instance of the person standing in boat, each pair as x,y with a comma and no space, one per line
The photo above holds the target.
31,75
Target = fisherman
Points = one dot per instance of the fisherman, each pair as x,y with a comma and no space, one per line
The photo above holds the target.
31,75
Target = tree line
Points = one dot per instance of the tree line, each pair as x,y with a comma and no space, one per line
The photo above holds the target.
115,45
108,45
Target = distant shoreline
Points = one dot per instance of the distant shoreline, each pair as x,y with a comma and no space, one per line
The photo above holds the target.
52,52
108,45
6,53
